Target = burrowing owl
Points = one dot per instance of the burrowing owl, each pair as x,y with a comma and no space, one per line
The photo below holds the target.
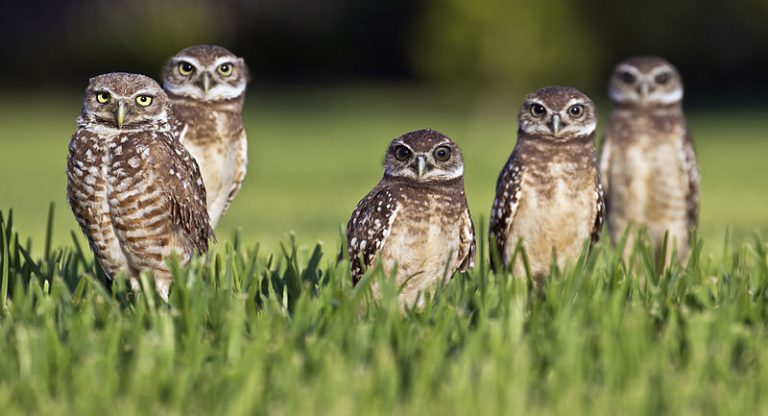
416,219
648,164
548,196
135,190
206,85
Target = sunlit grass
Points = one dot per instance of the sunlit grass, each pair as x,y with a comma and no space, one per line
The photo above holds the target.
272,332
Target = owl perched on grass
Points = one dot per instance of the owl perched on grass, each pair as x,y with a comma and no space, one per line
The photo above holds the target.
206,85
548,196
648,164
135,190
416,220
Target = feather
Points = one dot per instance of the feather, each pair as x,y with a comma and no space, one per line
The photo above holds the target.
505,204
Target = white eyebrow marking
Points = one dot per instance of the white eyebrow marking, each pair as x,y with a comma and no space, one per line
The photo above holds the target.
224,60
179,59
573,101
145,92
628,68
401,143
661,69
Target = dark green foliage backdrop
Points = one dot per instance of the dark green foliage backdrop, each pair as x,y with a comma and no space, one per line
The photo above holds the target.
489,44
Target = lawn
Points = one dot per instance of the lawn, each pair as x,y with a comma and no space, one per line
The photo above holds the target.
272,325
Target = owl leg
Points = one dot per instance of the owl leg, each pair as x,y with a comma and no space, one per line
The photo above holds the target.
135,284
163,281
418,303
677,240
683,248
684,237
623,230
161,276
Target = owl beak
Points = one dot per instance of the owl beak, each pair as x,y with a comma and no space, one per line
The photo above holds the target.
206,82
644,89
422,166
120,115
556,124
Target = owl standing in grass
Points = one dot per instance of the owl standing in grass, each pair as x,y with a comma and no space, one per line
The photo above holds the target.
416,220
648,163
206,85
134,189
548,196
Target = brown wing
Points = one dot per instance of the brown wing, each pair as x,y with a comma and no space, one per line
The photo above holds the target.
605,164
368,228
691,171
178,126
505,204
78,190
468,246
87,197
183,189
599,214
241,164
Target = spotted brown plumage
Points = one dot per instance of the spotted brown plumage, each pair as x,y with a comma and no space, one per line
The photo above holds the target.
206,85
505,204
369,227
691,169
416,220
648,162
133,188
548,195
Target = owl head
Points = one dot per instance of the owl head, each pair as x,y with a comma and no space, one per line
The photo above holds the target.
206,73
124,101
424,156
646,81
558,114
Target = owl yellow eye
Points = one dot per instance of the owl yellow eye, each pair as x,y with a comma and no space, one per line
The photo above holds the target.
225,69
103,97
144,100
185,68
576,110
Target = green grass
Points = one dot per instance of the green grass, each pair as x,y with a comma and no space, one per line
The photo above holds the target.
272,325
257,333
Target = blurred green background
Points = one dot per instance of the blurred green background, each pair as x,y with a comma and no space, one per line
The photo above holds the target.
334,81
